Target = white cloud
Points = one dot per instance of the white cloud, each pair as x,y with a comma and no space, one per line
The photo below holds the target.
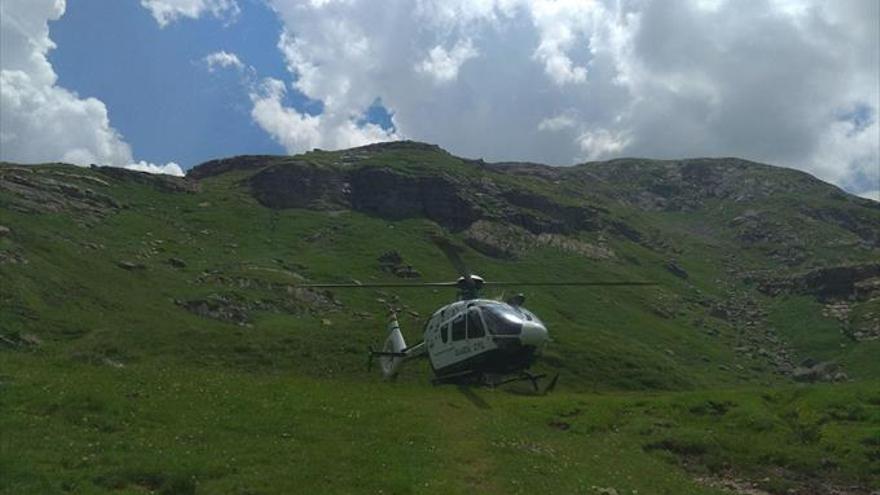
168,11
41,121
559,81
600,143
561,25
557,123
169,168
223,60
299,132
847,156
443,65
875,194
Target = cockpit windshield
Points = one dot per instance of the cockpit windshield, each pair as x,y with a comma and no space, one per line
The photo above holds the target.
501,319
529,316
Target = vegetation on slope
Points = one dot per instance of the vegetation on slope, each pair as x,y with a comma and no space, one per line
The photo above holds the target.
152,336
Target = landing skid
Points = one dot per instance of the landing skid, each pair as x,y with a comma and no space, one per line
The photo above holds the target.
494,380
526,376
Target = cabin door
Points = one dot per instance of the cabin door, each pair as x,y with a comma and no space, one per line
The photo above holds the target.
461,346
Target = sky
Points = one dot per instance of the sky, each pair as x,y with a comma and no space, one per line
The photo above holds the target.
163,85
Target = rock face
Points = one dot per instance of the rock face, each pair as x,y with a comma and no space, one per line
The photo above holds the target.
224,165
450,199
811,371
375,191
47,190
64,188
385,193
161,182
300,184
827,283
685,185
859,221
506,241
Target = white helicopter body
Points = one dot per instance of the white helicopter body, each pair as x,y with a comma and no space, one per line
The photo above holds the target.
473,338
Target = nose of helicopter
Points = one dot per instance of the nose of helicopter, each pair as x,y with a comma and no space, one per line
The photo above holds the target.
533,334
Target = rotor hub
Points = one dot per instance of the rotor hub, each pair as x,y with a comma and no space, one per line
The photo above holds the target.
469,286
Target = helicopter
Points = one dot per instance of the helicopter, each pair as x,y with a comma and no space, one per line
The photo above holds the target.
473,340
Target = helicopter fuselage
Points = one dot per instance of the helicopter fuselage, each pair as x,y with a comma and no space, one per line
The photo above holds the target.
482,337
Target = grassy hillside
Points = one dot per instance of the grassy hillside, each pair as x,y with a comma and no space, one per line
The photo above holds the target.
153,339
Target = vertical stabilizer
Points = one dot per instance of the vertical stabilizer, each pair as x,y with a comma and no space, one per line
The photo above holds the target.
393,351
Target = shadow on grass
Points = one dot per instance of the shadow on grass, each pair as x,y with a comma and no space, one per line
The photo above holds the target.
470,395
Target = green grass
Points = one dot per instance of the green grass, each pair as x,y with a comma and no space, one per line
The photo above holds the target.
84,428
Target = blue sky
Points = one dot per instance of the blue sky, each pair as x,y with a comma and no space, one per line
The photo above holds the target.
159,92
128,82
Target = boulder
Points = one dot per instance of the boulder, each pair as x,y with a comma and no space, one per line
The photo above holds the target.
391,257
130,265
177,262
674,268
392,262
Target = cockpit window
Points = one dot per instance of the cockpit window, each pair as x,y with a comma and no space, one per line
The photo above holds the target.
475,328
501,320
529,315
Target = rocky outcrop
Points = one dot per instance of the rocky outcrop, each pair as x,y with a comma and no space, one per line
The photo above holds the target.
855,324
390,194
498,240
811,371
756,338
540,214
686,185
219,307
235,163
301,184
40,190
392,262
160,182
827,283
674,268
450,199
860,221
378,191
506,241
131,265
65,188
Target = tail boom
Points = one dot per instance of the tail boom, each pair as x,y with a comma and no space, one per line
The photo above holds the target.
395,350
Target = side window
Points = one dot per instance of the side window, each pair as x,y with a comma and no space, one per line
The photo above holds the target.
475,325
458,328
444,332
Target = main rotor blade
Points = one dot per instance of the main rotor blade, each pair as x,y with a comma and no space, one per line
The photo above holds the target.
452,254
376,285
455,284
575,284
